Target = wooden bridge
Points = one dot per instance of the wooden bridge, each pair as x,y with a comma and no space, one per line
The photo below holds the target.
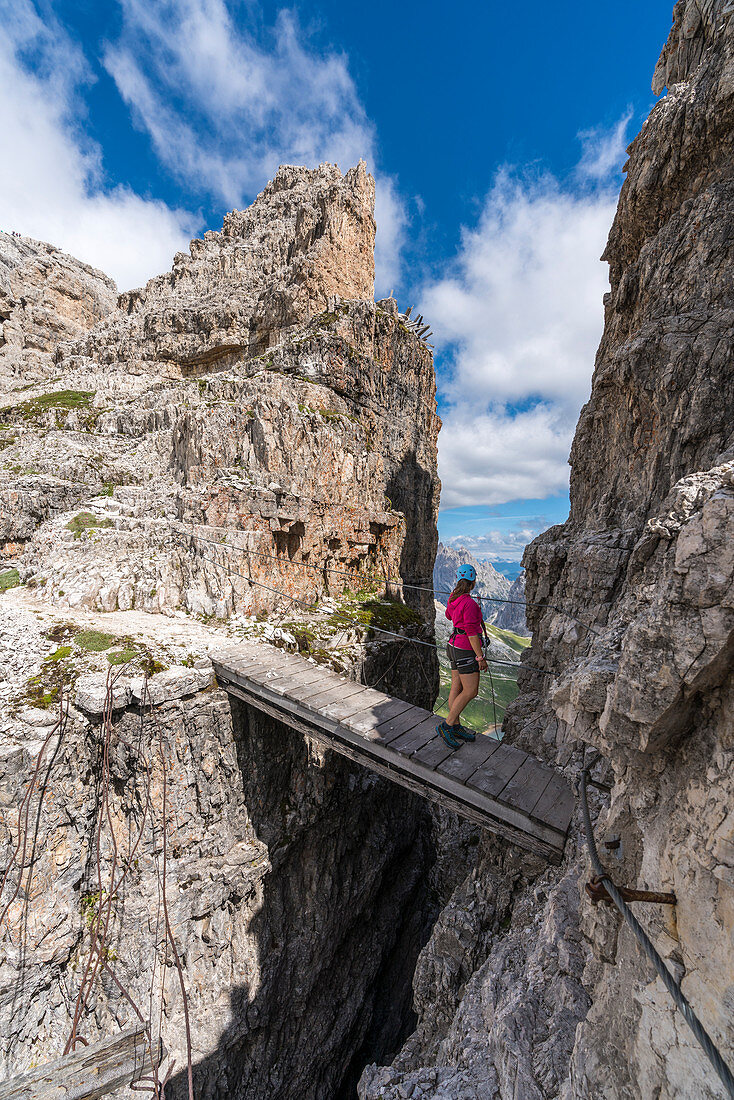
495,785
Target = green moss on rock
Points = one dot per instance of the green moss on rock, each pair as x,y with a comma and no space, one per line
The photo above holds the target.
94,641
59,399
121,656
84,521
60,654
9,579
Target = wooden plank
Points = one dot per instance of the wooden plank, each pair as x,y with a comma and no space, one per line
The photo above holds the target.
372,698
556,804
371,718
301,693
416,737
498,770
237,665
248,653
234,653
253,670
526,785
288,679
434,753
298,668
287,674
462,764
402,723
256,668
259,676
381,720
334,693
472,805
91,1072
343,709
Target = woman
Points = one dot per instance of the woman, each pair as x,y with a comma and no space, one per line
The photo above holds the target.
464,651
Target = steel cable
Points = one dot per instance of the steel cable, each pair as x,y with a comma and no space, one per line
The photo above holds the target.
370,626
681,1003
388,581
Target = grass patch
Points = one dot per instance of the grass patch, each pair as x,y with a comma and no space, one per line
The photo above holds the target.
60,654
365,610
515,641
42,699
94,641
305,636
40,694
151,666
122,656
60,399
331,414
9,579
326,319
84,521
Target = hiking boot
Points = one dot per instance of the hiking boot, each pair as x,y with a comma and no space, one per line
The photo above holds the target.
447,732
463,733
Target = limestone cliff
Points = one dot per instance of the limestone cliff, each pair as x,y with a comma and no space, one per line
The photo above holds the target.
244,447
45,297
251,409
631,604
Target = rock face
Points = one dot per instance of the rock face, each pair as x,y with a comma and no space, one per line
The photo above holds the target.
309,236
490,583
286,869
555,999
45,297
246,447
252,409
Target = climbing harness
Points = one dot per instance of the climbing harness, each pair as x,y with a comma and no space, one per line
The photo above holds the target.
618,899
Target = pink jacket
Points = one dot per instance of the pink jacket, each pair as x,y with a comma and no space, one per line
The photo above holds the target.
466,613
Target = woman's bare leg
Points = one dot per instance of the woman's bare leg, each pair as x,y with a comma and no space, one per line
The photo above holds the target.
455,687
469,691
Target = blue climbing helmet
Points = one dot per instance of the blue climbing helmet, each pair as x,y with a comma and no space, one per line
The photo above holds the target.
466,573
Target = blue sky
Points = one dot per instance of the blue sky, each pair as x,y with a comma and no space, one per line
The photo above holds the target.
496,135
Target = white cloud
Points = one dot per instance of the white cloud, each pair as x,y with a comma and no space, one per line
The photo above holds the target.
604,151
223,108
522,308
520,313
223,111
498,545
392,222
52,186
490,457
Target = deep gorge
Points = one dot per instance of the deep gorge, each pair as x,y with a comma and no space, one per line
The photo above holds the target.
246,449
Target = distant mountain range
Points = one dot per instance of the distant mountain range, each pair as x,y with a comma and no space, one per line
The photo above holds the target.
509,569
490,583
512,614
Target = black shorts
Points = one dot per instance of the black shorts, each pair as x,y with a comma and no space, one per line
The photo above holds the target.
462,661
